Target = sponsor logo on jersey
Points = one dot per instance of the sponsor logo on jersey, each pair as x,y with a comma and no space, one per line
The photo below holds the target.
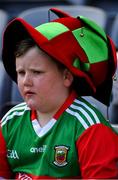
61,155
38,150
12,154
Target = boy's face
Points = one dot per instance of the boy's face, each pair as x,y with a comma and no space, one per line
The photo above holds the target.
43,86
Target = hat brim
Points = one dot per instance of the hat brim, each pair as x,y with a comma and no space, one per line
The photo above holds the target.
104,90
16,31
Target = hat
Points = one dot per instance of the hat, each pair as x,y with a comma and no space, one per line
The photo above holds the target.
77,42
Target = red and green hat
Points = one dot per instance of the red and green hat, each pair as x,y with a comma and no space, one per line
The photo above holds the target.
77,42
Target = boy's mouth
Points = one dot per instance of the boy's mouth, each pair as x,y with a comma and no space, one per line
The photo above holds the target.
29,93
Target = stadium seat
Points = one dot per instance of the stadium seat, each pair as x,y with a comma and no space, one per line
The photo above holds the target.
78,2
5,88
13,98
115,126
102,108
15,94
14,7
114,31
3,22
114,102
39,15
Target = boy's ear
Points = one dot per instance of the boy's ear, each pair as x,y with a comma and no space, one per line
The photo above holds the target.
68,78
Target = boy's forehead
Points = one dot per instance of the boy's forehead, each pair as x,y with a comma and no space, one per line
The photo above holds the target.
36,57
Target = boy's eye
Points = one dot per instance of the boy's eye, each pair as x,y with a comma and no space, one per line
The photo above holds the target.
21,72
36,72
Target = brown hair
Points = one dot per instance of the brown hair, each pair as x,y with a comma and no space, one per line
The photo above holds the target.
24,45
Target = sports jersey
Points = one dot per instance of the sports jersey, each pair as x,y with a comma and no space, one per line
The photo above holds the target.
76,143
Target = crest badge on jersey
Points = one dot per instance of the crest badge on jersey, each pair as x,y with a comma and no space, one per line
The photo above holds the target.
61,155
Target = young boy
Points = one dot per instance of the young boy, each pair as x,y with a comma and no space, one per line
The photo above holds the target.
56,133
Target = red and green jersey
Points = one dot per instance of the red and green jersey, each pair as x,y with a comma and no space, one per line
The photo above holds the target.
76,143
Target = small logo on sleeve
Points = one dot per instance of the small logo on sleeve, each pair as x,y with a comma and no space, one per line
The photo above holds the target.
61,155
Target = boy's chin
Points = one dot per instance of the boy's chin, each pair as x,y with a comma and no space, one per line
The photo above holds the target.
31,105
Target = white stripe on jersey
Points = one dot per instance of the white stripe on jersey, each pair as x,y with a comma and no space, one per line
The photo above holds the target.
88,108
85,125
15,111
17,107
83,112
40,131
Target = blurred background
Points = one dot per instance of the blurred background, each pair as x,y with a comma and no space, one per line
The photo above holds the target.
104,12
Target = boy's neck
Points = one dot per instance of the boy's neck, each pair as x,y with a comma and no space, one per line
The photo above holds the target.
43,119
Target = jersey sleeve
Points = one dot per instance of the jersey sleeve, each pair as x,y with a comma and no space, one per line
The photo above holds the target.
98,153
5,171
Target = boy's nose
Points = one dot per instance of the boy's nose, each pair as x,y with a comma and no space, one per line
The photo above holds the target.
27,81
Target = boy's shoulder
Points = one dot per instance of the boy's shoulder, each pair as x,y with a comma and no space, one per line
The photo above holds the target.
85,113
16,111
